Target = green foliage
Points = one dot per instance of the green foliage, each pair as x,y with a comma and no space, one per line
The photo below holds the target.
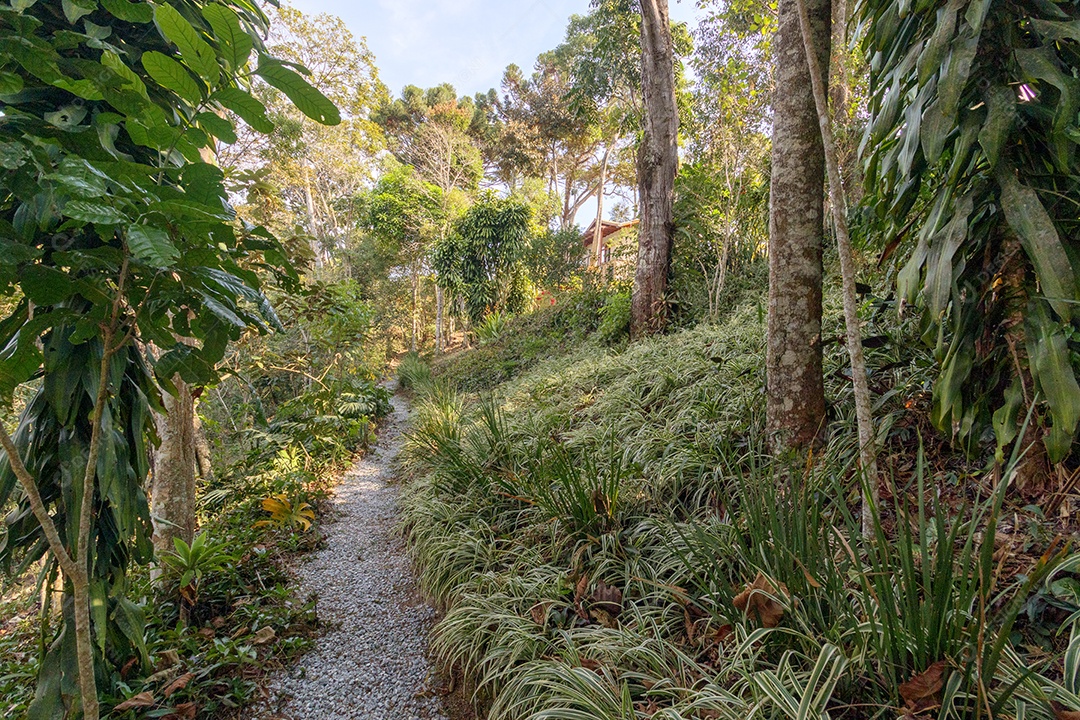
972,136
491,327
116,229
413,373
615,318
190,563
481,260
555,259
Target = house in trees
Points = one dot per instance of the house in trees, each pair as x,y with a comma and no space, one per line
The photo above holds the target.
618,240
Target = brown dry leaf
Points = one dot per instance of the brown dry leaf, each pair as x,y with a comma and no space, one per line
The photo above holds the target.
605,618
723,633
263,636
207,633
143,699
128,666
539,612
688,624
218,622
647,709
608,598
579,593
167,659
178,684
1060,713
755,601
920,692
238,632
183,711
590,664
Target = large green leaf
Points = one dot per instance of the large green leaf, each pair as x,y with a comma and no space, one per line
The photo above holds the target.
217,126
97,213
170,74
195,52
306,97
939,266
1051,366
1000,116
134,12
45,285
236,45
1042,243
151,245
112,61
1041,64
246,107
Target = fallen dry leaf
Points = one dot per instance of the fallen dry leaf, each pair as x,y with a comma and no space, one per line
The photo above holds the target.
1060,713
167,659
757,602
183,711
218,622
263,636
207,633
608,598
590,664
143,699
920,692
579,593
178,684
128,666
539,612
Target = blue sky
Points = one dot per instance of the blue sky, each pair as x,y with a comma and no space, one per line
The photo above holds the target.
464,42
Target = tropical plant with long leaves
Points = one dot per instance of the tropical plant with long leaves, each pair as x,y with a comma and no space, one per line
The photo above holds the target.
971,156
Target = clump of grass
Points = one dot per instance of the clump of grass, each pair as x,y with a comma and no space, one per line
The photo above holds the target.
413,373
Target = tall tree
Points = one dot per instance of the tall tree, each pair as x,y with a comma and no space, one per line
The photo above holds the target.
658,162
440,135
298,179
795,397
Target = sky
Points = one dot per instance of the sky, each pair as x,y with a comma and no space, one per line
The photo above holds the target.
467,43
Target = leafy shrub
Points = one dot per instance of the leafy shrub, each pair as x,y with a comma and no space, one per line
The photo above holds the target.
491,327
615,318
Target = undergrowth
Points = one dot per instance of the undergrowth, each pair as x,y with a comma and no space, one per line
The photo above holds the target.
609,538
224,612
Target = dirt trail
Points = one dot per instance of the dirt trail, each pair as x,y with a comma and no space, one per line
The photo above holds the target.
371,664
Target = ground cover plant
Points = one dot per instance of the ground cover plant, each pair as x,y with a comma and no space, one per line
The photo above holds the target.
609,538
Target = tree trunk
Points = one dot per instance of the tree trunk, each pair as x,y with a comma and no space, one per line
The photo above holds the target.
172,491
658,161
863,406
415,305
795,395
439,340
202,452
310,202
598,234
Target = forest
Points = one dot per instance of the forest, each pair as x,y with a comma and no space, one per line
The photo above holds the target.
711,371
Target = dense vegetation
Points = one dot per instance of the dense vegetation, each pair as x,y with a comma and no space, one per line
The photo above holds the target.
696,461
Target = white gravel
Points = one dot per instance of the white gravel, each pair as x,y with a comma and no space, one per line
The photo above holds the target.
371,663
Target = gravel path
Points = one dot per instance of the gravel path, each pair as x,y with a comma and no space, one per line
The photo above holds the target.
371,664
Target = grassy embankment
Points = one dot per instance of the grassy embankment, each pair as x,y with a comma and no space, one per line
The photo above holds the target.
609,538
